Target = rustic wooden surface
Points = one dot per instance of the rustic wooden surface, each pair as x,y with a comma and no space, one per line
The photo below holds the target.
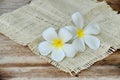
19,63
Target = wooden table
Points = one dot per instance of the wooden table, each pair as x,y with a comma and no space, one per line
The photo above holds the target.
18,62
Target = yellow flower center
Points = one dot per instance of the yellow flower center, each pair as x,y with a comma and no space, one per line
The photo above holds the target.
57,43
80,33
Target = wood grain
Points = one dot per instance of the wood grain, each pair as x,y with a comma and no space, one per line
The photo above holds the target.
18,62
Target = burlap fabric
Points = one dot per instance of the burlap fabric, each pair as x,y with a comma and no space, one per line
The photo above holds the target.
26,24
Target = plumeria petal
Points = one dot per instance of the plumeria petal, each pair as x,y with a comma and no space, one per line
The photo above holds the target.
78,20
58,55
79,44
65,35
49,34
92,42
71,29
45,48
92,28
69,50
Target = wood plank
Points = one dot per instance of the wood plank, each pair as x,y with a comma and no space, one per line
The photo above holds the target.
90,78
50,72
13,54
115,4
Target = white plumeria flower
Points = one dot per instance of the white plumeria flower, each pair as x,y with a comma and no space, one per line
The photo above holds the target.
85,35
56,44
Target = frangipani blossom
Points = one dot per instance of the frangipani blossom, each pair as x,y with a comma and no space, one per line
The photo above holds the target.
56,44
83,35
